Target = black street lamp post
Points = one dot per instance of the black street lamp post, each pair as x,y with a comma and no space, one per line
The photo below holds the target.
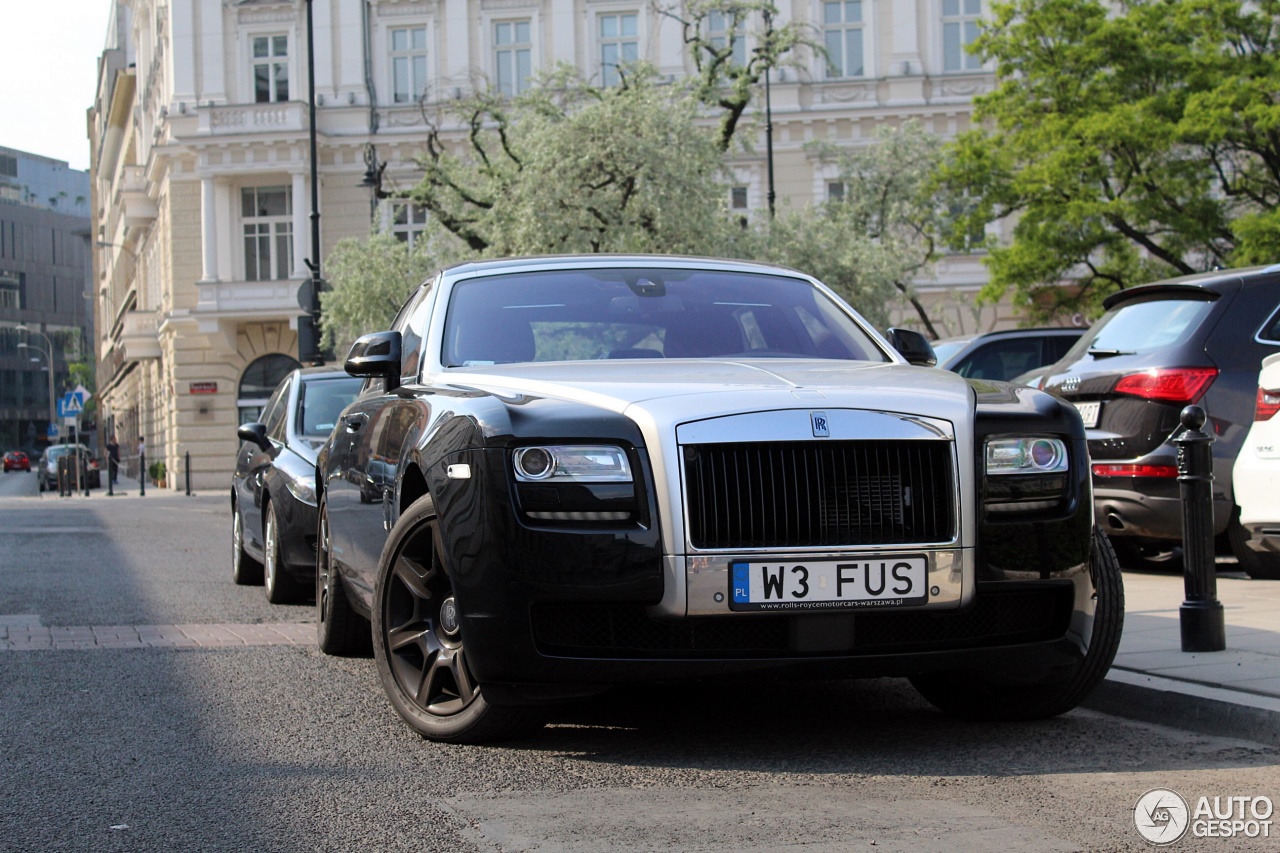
309,348
768,108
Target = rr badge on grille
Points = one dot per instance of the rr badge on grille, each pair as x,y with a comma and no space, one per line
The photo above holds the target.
821,429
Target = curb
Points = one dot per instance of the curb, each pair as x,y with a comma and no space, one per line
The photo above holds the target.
1187,705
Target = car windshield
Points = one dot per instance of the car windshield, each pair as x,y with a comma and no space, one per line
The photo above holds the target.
320,401
60,450
576,315
1142,327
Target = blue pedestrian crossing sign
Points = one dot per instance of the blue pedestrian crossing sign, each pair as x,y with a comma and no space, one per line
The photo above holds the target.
71,404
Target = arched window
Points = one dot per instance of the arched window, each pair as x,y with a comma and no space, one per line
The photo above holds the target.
257,382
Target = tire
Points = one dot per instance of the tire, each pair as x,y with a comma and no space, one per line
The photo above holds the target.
418,644
245,570
340,631
280,586
1259,565
973,697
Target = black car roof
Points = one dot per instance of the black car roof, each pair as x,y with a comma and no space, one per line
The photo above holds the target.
1206,285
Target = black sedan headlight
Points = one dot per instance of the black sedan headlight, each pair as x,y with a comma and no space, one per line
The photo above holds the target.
575,483
1026,473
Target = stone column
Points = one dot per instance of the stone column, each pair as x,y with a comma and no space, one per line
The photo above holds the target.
209,228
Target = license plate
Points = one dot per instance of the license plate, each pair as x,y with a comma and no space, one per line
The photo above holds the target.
828,584
1089,412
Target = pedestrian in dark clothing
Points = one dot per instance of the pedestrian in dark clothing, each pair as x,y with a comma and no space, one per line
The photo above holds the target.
113,459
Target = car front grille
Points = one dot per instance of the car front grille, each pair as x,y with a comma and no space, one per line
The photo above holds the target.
819,494
997,617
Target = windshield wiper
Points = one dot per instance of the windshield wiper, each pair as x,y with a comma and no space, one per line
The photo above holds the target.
1107,353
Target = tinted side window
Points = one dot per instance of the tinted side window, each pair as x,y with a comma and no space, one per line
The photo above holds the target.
412,325
1002,359
273,416
1271,329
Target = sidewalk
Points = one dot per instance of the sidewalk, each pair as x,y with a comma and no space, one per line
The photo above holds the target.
1235,692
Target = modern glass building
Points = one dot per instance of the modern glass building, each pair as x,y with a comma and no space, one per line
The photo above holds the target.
45,268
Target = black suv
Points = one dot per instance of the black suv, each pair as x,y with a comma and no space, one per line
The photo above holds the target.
1160,347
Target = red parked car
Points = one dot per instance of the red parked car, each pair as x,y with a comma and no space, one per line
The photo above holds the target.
16,460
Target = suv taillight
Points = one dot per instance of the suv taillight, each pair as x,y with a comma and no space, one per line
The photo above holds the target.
1168,384
1268,404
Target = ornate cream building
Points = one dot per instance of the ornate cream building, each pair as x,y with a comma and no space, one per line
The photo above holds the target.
200,161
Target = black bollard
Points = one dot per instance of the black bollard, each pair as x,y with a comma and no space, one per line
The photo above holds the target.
84,474
187,466
1201,616
142,473
111,472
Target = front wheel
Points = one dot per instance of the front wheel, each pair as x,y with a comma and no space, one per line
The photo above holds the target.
245,570
418,642
280,586
975,697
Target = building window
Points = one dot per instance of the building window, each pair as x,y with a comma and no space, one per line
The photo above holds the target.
267,213
835,191
408,64
8,166
720,29
408,220
619,44
512,56
842,37
270,69
738,198
959,29
13,293
259,384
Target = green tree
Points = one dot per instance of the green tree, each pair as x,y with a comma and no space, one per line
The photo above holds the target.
890,227
1128,141
370,279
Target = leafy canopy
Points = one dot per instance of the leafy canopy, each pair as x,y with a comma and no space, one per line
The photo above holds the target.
1129,141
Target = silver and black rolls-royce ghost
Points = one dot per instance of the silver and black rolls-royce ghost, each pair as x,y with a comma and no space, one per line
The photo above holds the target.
572,472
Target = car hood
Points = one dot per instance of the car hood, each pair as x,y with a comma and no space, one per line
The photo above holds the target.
680,391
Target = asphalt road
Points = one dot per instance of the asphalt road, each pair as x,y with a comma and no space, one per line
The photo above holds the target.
279,748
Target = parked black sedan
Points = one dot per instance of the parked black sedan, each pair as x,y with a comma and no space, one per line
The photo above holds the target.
273,502
566,473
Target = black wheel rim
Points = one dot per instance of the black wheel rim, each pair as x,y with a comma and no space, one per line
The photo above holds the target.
237,540
323,581
269,549
424,646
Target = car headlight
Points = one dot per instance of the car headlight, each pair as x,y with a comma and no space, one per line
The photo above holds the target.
572,463
302,490
1026,473
1026,455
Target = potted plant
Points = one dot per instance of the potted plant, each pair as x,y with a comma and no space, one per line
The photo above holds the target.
157,471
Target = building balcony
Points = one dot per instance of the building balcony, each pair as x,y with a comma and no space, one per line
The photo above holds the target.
140,336
136,204
246,301
241,119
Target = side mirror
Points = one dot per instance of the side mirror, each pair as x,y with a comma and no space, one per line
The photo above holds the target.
377,354
913,346
257,433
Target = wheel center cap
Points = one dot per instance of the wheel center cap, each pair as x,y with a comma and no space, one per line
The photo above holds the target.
449,616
